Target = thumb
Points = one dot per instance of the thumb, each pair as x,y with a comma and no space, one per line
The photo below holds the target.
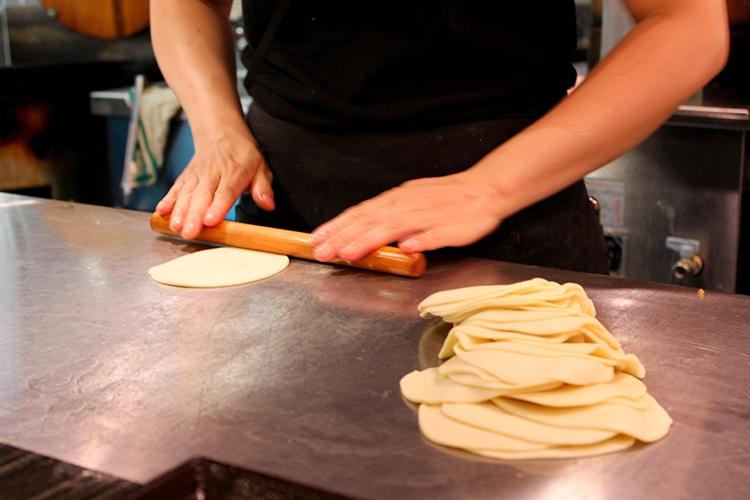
261,190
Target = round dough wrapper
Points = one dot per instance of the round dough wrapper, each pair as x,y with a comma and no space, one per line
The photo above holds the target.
456,305
219,267
624,386
524,369
430,387
475,381
617,443
491,418
647,425
626,362
464,373
440,429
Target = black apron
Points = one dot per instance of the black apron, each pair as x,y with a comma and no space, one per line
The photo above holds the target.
319,173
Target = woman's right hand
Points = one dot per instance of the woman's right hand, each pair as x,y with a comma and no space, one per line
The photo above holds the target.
223,167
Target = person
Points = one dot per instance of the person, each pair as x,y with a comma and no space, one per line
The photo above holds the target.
430,124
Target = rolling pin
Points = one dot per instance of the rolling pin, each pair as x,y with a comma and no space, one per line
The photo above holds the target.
295,244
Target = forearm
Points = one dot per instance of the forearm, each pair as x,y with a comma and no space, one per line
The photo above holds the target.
194,47
671,53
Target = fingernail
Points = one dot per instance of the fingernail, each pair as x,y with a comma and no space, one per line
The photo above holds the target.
211,216
188,228
349,252
408,246
318,236
324,253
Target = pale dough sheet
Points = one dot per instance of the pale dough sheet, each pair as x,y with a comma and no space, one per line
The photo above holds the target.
219,267
531,373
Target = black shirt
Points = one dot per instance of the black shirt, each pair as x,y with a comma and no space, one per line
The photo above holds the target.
410,63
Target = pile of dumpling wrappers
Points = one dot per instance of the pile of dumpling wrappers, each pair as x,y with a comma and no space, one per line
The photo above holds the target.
530,373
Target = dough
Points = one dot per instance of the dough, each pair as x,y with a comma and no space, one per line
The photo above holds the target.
596,352
219,267
530,373
617,443
543,324
526,369
538,294
647,425
625,386
442,430
492,418
429,386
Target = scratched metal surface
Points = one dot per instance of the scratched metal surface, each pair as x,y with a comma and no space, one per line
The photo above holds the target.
297,376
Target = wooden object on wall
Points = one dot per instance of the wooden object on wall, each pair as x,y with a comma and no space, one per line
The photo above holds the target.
105,19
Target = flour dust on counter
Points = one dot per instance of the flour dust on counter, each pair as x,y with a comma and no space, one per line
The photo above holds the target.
530,373
219,267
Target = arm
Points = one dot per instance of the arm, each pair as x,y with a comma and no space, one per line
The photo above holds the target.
193,45
676,47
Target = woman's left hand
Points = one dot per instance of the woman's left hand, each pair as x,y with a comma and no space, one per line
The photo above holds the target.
422,214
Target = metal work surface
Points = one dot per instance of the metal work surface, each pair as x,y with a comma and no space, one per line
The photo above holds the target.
297,376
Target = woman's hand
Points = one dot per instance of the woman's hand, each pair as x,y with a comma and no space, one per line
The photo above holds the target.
223,167
423,214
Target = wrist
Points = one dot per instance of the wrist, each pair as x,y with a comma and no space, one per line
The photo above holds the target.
481,183
217,121
232,133
495,179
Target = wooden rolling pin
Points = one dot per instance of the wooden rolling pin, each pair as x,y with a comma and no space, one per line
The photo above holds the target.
295,244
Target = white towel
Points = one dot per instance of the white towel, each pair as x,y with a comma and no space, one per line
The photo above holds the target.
157,108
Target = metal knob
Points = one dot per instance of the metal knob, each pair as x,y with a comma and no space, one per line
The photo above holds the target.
688,267
690,263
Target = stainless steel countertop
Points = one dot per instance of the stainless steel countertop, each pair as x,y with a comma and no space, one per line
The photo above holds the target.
297,376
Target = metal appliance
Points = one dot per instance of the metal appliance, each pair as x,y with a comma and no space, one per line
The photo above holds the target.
677,199
675,209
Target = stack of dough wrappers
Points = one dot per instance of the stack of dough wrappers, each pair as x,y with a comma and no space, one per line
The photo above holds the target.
531,373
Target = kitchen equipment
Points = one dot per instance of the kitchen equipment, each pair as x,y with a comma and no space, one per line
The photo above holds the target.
689,180
295,244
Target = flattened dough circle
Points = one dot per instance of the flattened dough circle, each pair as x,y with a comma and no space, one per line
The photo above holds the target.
219,267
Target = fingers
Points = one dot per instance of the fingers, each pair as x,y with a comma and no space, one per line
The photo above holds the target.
432,239
194,198
223,200
211,183
228,191
261,188
352,244
166,205
354,235
420,215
